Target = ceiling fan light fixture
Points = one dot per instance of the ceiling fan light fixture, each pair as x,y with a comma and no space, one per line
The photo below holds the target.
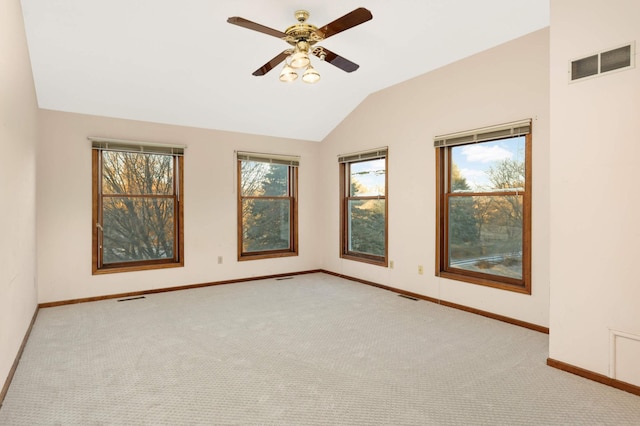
300,59
302,37
311,75
288,74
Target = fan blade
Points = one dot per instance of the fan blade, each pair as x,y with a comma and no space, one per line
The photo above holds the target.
236,20
272,63
335,60
351,19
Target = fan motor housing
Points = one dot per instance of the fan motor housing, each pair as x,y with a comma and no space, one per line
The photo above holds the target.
302,31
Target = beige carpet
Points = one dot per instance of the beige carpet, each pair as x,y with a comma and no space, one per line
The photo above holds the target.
311,350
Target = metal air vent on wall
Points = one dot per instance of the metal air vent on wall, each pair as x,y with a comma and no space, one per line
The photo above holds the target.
617,59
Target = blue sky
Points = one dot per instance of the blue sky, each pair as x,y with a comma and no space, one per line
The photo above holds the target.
475,159
371,175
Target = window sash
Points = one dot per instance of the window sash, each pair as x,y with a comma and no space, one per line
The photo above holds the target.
515,254
287,211
99,265
353,237
443,266
141,197
290,197
346,250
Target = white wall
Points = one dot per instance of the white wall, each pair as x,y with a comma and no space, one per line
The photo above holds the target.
507,83
18,134
64,206
594,190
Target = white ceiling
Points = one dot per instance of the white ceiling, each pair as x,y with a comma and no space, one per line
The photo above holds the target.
180,62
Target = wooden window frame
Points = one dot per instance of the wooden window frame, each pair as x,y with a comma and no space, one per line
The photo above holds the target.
443,191
98,267
345,197
292,197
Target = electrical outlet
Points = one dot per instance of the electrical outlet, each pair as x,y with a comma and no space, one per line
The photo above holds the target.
420,270
391,264
219,260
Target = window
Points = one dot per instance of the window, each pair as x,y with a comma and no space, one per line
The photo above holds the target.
137,206
363,209
267,206
484,206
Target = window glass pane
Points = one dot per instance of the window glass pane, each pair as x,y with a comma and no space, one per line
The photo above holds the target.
367,178
265,224
485,234
366,226
264,179
137,229
489,166
135,173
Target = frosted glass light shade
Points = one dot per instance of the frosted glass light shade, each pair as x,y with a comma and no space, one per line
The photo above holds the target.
288,74
311,75
300,59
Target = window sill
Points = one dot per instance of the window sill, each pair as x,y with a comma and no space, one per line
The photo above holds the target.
133,268
524,289
271,255
366,259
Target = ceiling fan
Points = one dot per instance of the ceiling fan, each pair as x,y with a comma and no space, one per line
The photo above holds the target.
303,38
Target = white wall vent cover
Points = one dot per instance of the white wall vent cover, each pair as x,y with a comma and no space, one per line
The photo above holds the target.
618,59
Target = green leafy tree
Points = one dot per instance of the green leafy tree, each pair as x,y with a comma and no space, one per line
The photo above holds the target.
367,223
266,220
463,228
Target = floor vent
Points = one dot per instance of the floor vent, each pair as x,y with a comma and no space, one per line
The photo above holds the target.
618,59
408,297
284,278
131,298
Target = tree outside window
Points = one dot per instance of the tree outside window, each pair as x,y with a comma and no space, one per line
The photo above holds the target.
267,205
484,212
137,210
364,209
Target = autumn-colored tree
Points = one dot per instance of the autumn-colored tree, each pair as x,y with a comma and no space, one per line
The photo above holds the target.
507,211
137,206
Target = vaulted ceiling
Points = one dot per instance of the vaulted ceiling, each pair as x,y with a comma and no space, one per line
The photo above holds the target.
180,62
